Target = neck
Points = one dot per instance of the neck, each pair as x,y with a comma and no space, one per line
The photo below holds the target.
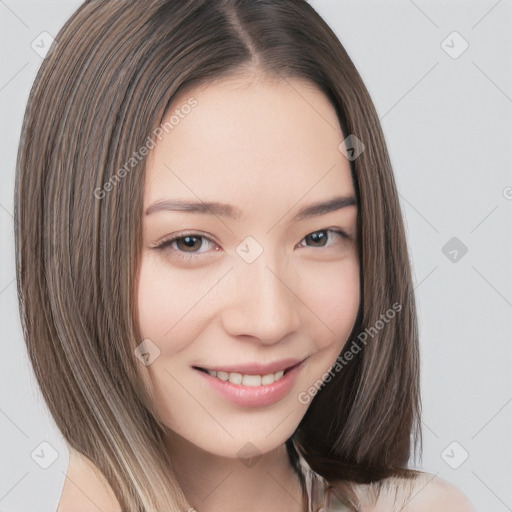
220,484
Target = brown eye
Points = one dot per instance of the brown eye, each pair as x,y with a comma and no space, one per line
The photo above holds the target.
318,238
321,238
189,243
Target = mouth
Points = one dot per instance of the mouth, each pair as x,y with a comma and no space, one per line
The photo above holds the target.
253,378
255,389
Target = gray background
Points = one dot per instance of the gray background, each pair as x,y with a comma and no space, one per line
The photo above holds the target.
447,121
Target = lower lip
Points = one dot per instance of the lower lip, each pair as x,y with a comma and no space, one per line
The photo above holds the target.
254,396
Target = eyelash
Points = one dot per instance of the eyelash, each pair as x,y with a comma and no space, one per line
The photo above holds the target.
189,256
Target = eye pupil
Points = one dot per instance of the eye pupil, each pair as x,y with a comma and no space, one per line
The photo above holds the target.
189,241
318,236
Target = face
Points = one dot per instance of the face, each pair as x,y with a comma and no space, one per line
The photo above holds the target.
235,289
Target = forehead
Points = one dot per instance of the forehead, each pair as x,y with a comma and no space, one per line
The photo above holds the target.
249,140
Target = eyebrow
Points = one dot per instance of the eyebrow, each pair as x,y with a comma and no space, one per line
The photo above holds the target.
232,212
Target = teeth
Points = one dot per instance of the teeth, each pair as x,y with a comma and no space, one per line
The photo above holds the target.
235,378
268,379
251,380
222,375
247,380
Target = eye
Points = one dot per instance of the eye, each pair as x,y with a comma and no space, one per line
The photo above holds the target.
185,246
322,236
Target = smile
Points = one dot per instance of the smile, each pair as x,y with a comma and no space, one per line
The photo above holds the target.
252,390
245,379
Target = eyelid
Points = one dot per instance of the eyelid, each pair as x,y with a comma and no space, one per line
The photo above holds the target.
189,256
168,241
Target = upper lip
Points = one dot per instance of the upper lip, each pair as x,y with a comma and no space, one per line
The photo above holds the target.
256,368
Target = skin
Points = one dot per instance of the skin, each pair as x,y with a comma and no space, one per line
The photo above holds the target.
86,490
297,299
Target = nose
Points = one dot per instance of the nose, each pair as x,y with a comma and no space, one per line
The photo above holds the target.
262,303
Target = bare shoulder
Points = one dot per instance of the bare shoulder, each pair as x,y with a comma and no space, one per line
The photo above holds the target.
435,493
85,488
425,493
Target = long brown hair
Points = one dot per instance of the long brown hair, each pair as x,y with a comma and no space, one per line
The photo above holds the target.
97,97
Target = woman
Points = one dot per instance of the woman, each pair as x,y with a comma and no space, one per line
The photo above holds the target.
212,267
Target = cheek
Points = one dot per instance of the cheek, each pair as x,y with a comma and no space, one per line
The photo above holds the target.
167,302
333,293
176,310
171,303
